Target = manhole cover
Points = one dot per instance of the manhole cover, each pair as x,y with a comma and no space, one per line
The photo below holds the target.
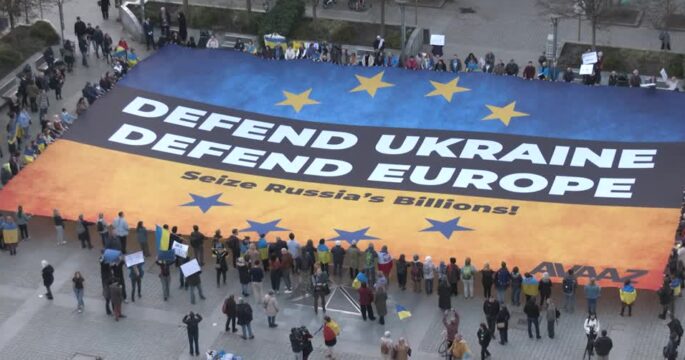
79,356
467,10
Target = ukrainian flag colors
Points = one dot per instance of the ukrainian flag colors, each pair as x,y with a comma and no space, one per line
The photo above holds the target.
163,238
10,233
402,312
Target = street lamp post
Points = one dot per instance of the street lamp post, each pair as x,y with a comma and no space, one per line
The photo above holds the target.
403,5
555,33
60,4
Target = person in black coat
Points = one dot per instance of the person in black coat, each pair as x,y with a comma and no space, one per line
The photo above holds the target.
491,309
229,309
182,27
118,275
48,277
484,338
234,245
221,265
106,277
79,27
532,311
192,320
444,295
244,314
244,276
104,7
503,324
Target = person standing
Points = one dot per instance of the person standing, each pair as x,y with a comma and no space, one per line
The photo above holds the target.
665,294
7,225
665,38
148,29
321,289
197,240
294,250
192,321
338,254
135,273
591,327
592,293
77,281
330,335
104,7
182,27
229,309
503,317
532,311
271,308
545,288
603,346
106,277
467,273
98,39
516,284
417,273
444,294
402,269
59,226
531,286
165,22
450,319
244,276
484,337
275,273
118,274
164,277
116,296
491,309
551,314
121,230
502,281
83,48
365,300
428,274
370,257
102,227
353,257
141,235
23,223
487,279
386,346
569,285
244,314
385,261
221,265
180,260
195,281
286,269
401,349
256,278
83,232
323,255
628,295
453,276
380,299
48,277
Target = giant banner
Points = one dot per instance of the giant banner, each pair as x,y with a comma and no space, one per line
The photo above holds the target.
544,176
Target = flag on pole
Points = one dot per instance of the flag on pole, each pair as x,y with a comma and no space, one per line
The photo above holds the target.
402,312
163,238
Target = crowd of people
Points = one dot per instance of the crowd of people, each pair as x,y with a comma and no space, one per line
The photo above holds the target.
291,265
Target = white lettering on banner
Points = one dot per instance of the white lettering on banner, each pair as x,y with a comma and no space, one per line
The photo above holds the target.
136,107
215,120
384,144
321,167
252,129
637,159
392,173
184,116
205,147
243,156
122,136
173,144
326,137
287,132
614,188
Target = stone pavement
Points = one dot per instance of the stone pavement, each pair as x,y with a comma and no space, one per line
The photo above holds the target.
35,328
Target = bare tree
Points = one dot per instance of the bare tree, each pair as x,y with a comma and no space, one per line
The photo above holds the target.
659,12
315,4
588,9
13,10
383,18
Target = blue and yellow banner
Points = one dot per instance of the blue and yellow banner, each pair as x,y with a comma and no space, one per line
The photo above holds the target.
427,163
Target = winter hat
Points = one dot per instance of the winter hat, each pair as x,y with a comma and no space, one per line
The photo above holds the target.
338,243
44,263
387,334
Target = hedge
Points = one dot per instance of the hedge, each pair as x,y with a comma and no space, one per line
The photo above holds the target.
282,18
24,41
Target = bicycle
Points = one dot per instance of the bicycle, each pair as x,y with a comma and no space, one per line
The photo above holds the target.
445,347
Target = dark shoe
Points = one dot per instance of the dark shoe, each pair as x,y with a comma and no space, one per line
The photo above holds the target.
235,330
251,337
122,316
539,337
243,337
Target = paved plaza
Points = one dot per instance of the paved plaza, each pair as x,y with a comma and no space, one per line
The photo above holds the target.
36,328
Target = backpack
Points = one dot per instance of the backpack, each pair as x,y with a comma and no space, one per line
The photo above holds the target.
224,309
467,272
335,327
670,351
296,340
677,327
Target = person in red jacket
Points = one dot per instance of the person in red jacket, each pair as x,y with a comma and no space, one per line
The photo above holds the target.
330,335
365,300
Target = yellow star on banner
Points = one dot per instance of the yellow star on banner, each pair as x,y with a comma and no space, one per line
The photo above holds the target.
371,84
447,89
297,101
504,113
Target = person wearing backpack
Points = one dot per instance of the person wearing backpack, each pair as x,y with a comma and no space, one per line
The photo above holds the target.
297,342
417,274
568,286
453,276
229,309
675,328
502,281
101,226
670,351
467,273
551,314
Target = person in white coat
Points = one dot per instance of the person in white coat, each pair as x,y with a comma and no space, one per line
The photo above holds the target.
271,308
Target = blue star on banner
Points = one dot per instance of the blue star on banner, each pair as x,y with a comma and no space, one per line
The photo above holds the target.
446,228
353,237
206,202
263,228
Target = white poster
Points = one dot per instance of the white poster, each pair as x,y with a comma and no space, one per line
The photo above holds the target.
664,74
190,268
134,259
180,249
590,57
437,40
586,69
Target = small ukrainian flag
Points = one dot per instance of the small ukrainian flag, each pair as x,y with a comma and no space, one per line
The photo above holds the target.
402,312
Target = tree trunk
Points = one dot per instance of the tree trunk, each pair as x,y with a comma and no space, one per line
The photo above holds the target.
594,31
248,4
186,12
26,11
383,18
314,3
